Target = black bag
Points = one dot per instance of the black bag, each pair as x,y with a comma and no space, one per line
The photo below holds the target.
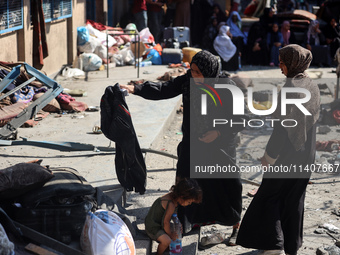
59,208
172,56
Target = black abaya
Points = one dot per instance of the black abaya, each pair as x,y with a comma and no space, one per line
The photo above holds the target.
274,219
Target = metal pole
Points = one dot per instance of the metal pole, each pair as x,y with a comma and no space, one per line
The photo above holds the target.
337,94
138,54
107,54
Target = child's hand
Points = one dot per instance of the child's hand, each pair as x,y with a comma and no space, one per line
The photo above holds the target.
209,136
173,236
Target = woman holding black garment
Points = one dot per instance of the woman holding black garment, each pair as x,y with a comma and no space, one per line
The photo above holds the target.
222,200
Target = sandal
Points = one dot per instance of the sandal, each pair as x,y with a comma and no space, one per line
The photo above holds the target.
96,130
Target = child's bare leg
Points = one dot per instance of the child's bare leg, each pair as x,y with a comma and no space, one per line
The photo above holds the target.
164,242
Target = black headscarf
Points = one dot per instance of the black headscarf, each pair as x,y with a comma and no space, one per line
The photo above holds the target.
207,63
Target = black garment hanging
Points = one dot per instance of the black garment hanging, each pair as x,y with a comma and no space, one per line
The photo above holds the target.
116,124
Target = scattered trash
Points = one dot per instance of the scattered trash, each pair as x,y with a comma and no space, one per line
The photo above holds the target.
73,72
336,211
320,231
211,240
333,250
179,133
246,156
96,130
327,145
93,109
331,228
78,117
148,72
76,92
323,129
322,86
321,251
252,193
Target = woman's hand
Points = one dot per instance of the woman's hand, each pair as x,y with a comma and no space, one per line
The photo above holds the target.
129,88
209,136
264,162
256,47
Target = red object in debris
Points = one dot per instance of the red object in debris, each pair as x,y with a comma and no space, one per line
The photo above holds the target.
336,115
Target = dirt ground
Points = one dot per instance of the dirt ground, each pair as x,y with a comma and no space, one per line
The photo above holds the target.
322,195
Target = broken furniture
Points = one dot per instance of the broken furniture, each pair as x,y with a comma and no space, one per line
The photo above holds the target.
53,89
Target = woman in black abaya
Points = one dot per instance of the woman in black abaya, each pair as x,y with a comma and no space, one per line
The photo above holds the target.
222,198
273,222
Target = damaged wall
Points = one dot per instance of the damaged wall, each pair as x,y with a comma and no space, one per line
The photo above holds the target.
61,39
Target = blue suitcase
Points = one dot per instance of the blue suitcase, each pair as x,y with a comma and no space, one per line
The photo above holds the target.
182,34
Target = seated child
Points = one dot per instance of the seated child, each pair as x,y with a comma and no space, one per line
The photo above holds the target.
157,221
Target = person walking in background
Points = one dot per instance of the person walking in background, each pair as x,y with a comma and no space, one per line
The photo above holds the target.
287,35
274,41
273,223
139,10
155,17
157,221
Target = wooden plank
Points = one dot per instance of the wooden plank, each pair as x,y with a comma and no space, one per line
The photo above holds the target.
38,250
47,241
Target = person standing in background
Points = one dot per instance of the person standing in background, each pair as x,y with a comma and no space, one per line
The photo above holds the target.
315,41
155,16
274,41
140,14
182,16
170,13
287,35
332,34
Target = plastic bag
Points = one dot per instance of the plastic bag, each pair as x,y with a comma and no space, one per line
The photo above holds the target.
156,58
146,36
90,46
104,233
91,61
83,35
128,57
101,36
72,72
118,59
